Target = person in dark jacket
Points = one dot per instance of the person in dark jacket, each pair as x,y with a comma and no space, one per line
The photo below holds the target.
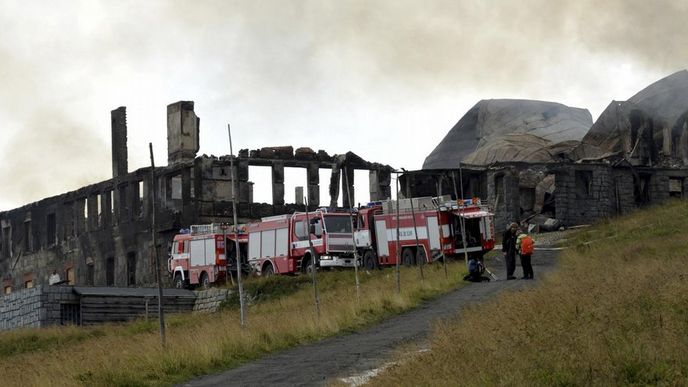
509,249
475,271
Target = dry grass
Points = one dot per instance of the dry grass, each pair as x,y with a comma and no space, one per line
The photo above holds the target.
616,313
130,355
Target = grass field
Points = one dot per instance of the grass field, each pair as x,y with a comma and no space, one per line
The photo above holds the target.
614,313
282,315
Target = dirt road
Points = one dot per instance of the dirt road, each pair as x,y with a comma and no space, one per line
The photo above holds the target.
342,356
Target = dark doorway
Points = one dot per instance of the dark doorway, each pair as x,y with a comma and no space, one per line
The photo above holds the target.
90,274
583,184
641,189
499,189
131,269
549,206
70,314
110,271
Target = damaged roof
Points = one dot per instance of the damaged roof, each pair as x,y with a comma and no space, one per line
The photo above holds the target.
510,130
650,128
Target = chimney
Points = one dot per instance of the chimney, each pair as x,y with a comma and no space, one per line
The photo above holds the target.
182,132
119,142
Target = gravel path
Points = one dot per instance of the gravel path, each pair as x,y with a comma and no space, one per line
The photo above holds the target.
316,364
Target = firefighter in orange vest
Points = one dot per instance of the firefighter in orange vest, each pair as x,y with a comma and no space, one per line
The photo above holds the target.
525,247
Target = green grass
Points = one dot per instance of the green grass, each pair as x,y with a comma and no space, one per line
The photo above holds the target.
281,314
271,288
21,341
614,313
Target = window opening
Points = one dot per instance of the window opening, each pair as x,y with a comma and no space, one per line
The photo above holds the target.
27,236
69,314
51,235
583,184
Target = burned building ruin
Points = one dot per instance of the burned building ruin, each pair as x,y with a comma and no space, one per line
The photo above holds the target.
549,165
100,235
535,162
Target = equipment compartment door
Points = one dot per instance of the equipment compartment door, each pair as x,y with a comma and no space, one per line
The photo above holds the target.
197,252
433,233
381,233
254,245
281,242
210,251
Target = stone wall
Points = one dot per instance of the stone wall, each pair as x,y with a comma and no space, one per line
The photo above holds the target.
584,192
36,307
21,309
209,301
622,190
659,187
55,300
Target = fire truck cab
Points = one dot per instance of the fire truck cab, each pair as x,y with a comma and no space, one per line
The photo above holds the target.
282,244
198,256
436,232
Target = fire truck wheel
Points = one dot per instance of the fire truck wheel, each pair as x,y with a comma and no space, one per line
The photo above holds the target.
421,257
178,282
407,257
204,282
306,265
268,271
370,260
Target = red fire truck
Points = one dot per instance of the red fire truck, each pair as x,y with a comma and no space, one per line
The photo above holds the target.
198,254
280,244
438,225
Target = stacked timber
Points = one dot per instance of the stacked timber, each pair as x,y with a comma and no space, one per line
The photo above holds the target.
108,304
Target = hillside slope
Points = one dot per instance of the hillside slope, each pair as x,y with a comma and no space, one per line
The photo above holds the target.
616,313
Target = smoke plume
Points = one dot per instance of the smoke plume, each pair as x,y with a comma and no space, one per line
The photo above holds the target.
304,73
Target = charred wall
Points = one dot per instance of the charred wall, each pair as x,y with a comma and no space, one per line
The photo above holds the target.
471,182
84,235
562,194
100,235
583,193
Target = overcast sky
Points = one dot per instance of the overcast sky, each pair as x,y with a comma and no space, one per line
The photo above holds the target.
384,79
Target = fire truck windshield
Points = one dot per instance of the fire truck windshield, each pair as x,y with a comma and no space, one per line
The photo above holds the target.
337,224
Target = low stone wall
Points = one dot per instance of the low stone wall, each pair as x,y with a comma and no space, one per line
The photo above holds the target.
35,307
208,301
55,305
59,305
21,308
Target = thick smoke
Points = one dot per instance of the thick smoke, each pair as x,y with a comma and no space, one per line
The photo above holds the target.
475,42
323,72
50,154
44,150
